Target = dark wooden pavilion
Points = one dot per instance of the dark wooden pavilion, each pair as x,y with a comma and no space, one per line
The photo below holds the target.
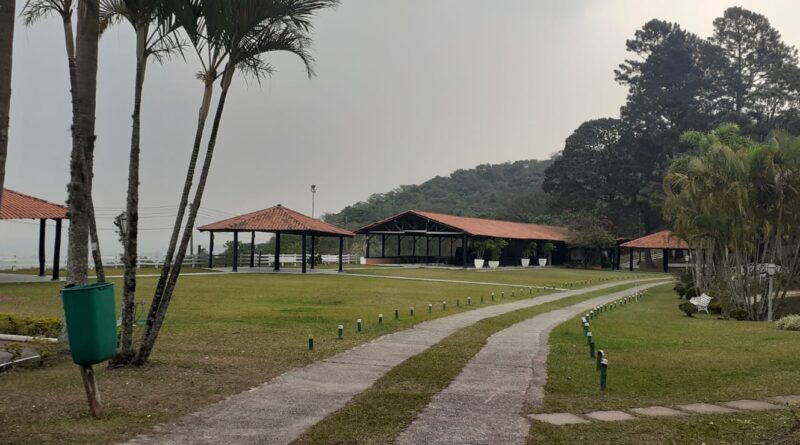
664,240
456,232
277,220
20,206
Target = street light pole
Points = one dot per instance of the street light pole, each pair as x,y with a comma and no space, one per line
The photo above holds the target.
313,192
771,269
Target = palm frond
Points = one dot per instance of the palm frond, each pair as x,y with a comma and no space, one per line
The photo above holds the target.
35,10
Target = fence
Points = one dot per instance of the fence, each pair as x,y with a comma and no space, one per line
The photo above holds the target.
268,259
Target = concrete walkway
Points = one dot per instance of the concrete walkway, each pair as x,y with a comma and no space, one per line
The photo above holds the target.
8,278
735,406
280,410
484,404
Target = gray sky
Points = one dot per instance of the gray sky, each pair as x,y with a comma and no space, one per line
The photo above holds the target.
406,90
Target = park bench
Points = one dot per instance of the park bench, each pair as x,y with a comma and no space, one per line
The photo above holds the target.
701,302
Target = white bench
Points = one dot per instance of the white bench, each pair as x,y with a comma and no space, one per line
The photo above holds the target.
701,302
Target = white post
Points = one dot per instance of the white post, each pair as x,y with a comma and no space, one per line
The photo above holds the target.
769,300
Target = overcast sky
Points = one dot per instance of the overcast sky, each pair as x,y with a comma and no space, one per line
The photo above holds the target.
405,90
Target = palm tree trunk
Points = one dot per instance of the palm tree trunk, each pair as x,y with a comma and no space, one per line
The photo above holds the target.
132,207
6,49
79,188
69,43
152,333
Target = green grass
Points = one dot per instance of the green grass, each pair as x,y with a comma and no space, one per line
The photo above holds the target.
110,271
379,414
658,356
223,334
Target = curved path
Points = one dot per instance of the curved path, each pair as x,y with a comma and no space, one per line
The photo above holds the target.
280,410
484,404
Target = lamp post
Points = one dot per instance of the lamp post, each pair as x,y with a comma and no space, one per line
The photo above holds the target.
121,222
313,192
771,269
687,259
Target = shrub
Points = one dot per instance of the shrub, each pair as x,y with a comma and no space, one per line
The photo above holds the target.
715,307
688,308
738,314
789,323
31,326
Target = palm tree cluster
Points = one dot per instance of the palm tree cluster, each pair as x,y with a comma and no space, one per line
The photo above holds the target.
737,203
228,37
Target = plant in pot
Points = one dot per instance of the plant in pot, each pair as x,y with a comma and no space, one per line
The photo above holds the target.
547,249
495,248
528,251
480,251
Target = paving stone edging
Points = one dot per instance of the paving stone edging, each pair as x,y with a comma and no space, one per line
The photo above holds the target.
731,407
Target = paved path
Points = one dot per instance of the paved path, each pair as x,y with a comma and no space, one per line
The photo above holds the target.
693,409
6,278
280,410
484,404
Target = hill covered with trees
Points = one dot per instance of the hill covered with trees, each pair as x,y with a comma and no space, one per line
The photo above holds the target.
489,190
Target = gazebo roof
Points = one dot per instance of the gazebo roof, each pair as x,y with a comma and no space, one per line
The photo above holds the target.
21,206
481,227
664,239
276,219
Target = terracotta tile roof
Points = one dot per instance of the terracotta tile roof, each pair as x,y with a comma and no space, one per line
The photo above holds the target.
492,228
276,219
664,239
20,206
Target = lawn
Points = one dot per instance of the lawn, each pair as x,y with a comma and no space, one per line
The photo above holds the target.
223,334
658,356
110,271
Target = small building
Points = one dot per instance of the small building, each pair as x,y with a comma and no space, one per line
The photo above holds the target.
669,245
395,239
278,220
17,205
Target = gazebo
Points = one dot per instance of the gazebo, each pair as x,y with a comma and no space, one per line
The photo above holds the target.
664,240
414,225
278,220
17,205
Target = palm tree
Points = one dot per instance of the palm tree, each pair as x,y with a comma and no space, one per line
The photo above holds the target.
240,32
153,24
33,11
6,47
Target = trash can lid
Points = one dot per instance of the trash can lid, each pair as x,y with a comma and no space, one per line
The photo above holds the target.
86,287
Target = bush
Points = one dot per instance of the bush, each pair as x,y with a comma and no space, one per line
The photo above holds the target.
789,323
715,307
738,314
31,326
688,308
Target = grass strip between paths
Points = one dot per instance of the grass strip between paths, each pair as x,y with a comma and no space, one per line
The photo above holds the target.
379,414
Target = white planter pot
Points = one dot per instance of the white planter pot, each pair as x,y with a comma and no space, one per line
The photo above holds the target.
478,264
526,262
362,260
543,262
494,264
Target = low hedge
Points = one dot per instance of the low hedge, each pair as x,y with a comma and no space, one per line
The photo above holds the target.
789,323
31,326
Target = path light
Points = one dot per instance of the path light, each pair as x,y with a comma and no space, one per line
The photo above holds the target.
492,296
589,338
530,291
412,311
600,355
469,301
380,318
396,314
444,305
458,302
512,294
481,299
341,331
591,348
603,373
585,327
310,342
430,308
502,295
358,322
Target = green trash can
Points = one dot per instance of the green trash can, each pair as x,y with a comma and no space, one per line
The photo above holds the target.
91,322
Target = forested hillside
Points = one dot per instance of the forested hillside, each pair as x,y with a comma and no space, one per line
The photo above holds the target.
486,191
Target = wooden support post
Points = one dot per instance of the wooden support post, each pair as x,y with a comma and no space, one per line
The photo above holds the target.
57,251
440,246
92,393
413,246
464,251
253,249
277,265
42,227
368,240
617,257
235,267
313,250
427,245
665,259
630,265
383,246
210,250
399,245
450,240
341,252
304,253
